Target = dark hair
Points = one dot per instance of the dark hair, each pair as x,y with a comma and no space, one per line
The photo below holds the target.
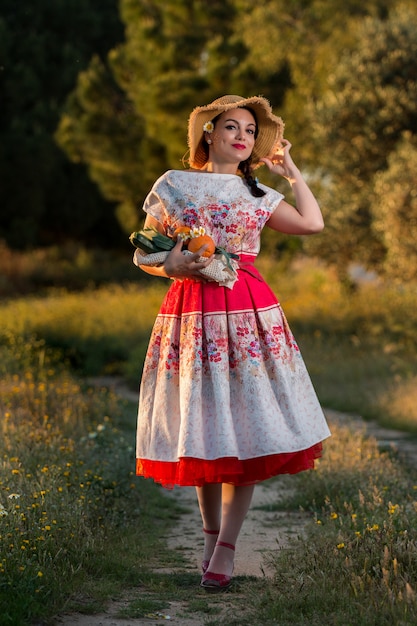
246,169
244,166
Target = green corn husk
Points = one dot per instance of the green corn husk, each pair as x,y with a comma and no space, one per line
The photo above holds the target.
142,243
149,240
162,242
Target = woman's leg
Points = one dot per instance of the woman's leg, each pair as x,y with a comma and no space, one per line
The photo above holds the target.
235,503
210,503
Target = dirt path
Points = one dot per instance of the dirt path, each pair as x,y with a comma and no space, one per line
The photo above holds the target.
263,532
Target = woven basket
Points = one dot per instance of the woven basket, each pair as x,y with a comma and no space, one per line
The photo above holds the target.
217,271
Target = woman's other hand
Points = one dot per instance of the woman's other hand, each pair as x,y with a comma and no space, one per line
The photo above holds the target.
281,162
179,265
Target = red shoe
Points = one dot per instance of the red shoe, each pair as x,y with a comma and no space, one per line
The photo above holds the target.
205,564
214,583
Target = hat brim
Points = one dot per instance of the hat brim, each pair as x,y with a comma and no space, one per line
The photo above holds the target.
270,127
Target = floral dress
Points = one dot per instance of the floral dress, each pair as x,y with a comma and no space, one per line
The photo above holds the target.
225,395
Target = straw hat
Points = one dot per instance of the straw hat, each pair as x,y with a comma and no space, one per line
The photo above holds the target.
270,127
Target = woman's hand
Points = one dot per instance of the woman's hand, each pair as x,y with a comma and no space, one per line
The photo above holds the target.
305,217
281,162
179,265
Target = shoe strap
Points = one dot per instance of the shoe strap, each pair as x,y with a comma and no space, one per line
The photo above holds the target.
211,532
226,545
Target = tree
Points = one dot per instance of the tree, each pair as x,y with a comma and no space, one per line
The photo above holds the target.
304,39
105,132
394,211
43,45
358,123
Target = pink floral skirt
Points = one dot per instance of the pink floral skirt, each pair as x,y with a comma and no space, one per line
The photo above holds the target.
225,395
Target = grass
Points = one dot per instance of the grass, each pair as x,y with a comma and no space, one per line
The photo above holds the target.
358,563
67,493
68,265
96,330
359,346
78,529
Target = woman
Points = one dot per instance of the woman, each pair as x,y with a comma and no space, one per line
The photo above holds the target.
225,399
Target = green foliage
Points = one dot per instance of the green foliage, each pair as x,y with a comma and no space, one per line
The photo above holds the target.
102,129
67,492
358,563
95,331
295,46
394,211
359,346
71,266
185,52
358,123
43,45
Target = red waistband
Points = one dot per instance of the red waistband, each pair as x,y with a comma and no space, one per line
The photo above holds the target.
246,264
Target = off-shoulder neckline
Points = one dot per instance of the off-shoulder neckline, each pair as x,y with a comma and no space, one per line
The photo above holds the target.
205,173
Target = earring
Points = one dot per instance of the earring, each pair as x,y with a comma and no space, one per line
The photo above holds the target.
208,140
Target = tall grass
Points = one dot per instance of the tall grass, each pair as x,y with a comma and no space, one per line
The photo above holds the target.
67,490
69,265
359,346
96,330
357,564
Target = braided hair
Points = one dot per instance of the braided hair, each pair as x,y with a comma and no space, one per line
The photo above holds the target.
245,166
252,183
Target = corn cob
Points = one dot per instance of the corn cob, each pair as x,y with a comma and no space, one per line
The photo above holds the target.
149,240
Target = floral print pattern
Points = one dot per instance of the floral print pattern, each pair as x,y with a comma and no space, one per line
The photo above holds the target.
234,221
223,376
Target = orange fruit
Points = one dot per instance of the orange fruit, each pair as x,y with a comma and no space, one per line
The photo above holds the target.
202,240
183,232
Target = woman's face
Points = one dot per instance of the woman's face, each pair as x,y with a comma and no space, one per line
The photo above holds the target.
233,138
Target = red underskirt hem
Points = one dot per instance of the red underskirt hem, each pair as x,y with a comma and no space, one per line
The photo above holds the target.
190,471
